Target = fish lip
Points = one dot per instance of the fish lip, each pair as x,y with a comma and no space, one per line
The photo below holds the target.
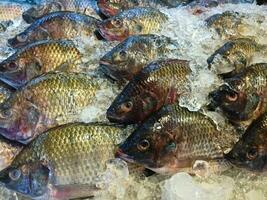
28,18
108,70
108,36
106,10
123,156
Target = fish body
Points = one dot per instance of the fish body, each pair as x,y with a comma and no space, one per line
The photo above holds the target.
56,25
11,11
69,155
38,58
133,54
45,102
134,21
173,139
159,83
5,92
243,97
86,7
234,56
250,152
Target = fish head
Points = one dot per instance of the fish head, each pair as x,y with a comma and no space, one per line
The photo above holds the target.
19,121
29,179
38,11
112,7
19,40
153,145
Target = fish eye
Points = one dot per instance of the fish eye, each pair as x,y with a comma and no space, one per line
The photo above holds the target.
123,54
6,113
143,145
12,66
117,23
22,38
15,174
232,97
126,107
252,154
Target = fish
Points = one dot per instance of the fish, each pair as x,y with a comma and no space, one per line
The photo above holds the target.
125,60
4,25
8,151
136,21
86,7
11,11
242,98
57,25
250,151
47,101
38,58
234,56
5,92
112,7
66,159
173,139
160,82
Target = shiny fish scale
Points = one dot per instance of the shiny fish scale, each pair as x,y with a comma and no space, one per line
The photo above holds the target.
75,152
9,11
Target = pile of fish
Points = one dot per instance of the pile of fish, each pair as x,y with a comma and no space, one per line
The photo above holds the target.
48,151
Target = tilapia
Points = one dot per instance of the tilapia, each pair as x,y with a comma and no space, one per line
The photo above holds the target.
5,92
87,7
130,56
113,7
243,97
65,160
45,102
134,21
250,152
235,55
173,139
57,25
159,83
38,58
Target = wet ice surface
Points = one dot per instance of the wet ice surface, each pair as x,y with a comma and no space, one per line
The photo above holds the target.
197,43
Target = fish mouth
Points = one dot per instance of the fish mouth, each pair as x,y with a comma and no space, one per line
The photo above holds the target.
108,70
28,18
123,156
105,9
107,35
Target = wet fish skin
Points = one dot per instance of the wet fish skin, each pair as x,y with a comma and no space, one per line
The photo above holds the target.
250,151
5,92
243,97
57,25
11,11
134,21
130,56
234,56
53,156
172,139
159,83
45,102
38,58
80,6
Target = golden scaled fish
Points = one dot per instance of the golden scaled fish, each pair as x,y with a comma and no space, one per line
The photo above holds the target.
174,139
243,97
160,82
45,102
5,92
133,54
235,55
64,161
38,58
11,11
134,21
87,7
57,25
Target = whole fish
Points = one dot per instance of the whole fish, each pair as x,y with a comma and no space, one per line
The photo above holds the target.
159,83
57,25
38,58
250,152
235,55
5,92
130,56
86,7
173,139
45,102
111,7
8,151
134,21
243,97
65,159
4,25
11,11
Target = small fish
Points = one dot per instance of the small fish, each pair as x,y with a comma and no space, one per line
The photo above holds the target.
173,139
130,56
57,25
234,56
66,160
134,21
45,102
250,152
113,7
159,83
243,97
5,92
4,25
38,58
86,7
